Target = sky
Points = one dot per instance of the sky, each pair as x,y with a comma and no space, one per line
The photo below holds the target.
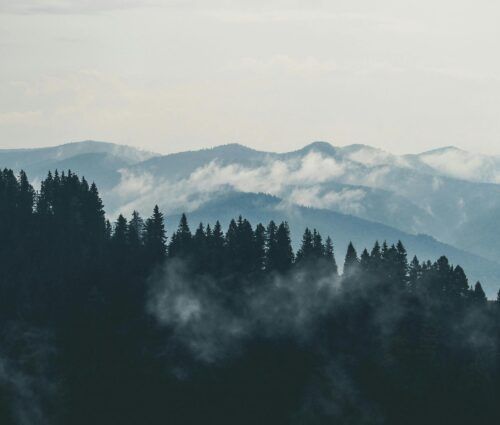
404,76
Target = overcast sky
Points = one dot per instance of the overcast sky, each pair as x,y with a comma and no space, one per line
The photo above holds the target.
172,75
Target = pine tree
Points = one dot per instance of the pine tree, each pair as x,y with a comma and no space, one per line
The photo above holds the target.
401,264
94,213
200,235
181,241
442,277
26,198
351,262
414,274
306,251
232,241
260,247
391,276
155,238
183,230
271,242
246,246
200,249
135,232
108,230
282,253
217,250
479,296
459,285
119,237
376,254
384,251
43,207
378,258
330,256
364,261
318,247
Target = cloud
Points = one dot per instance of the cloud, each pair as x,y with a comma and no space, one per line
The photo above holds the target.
274,177
310,180
191,307
134,185
372,157
372,177
196,308
463,165
347,201
27,359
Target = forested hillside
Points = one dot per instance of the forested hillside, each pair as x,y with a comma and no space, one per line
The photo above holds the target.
449,194
146,322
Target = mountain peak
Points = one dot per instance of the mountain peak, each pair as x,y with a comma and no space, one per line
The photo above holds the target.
25,158
319,146
233,147
88,142
359,146
444,149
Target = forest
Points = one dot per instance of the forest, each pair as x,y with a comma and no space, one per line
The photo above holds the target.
141,321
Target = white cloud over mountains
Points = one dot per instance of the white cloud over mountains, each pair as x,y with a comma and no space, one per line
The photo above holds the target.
309,180
416,193
297,180
464,165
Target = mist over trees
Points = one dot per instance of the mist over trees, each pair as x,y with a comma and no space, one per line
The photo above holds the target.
104,323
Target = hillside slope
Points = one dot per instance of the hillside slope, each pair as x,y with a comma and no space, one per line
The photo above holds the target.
342,228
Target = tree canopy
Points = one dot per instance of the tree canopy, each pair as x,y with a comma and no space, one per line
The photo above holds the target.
126,321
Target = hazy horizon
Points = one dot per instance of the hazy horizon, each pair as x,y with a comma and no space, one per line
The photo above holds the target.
169,76
263,149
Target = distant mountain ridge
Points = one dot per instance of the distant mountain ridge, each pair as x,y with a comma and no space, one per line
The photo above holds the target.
100,161
424,198
30,157
448,193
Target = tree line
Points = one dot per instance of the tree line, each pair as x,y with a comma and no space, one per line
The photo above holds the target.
390,340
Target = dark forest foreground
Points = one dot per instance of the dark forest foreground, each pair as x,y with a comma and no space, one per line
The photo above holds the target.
115,324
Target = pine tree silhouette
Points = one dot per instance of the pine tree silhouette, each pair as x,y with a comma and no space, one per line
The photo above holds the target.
351,262
283,255
306,251
155,238
330,257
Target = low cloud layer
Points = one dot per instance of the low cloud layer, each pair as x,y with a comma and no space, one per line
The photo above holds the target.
198,312
27,371
464,165
357,180
300,180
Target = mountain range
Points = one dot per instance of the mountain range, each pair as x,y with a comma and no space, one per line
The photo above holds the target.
445,201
